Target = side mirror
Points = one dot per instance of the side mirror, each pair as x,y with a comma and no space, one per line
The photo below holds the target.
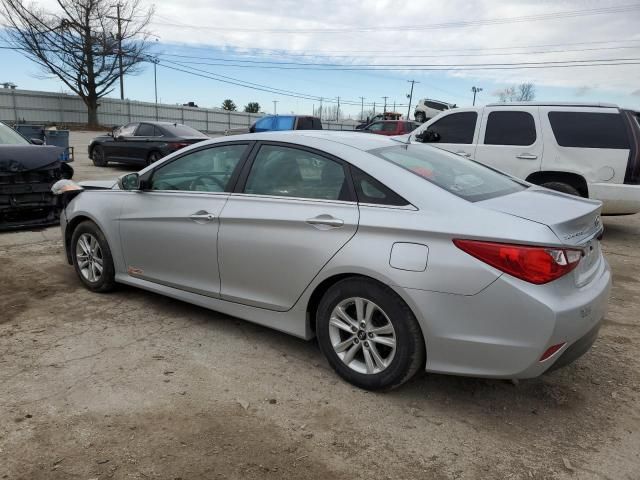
36,141
130,181
119,138
428,136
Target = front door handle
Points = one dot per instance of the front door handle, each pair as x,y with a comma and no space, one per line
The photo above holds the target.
325,220
527,156
464,154
202,216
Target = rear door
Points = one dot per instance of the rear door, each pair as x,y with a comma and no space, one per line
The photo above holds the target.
293,210
511,140
458,131
144,138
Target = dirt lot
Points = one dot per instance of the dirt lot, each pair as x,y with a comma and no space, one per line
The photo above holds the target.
132,385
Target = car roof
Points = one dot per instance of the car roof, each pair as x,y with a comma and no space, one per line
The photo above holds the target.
361,141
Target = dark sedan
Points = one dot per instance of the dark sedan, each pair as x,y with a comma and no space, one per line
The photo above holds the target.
142,143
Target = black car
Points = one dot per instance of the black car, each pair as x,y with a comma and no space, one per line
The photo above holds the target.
142,143
28,169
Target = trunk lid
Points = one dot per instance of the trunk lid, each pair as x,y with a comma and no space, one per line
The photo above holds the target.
573,220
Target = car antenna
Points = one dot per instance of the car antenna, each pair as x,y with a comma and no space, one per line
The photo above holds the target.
401,140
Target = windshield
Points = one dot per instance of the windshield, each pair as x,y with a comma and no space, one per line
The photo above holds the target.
8,136
457,175
179,130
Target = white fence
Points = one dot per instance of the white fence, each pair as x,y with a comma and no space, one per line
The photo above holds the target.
47,108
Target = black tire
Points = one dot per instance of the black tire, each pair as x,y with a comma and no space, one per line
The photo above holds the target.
562,187
420,117
153,157
98,157
106,281
410,355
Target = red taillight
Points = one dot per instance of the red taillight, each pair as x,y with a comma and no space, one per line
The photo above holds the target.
177,146
533,264
551,351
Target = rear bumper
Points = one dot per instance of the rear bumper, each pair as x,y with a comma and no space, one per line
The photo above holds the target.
503,331
617,199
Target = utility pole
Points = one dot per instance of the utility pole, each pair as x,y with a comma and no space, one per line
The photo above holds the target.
338,111
475,90
385,105
412,82
119,19
374,109
394,105
275,111
155,83
320,116
362,109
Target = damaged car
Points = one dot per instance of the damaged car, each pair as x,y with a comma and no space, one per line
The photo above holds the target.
28,169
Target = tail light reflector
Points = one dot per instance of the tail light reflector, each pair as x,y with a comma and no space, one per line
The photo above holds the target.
551,350
536,265
177,146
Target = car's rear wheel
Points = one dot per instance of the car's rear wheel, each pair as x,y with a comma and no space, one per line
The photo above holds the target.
153,157
92,258
369,335
98,156
562,187
420,117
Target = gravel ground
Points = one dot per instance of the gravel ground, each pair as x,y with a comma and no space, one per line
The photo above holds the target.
132,385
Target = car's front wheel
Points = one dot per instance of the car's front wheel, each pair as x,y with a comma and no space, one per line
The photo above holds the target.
92,258
369,335
98,156
420,117
153,157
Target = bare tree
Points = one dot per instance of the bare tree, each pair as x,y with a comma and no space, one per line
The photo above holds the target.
79,43
525,92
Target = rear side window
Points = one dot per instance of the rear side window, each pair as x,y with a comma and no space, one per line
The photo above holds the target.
510,128
589,130
265,123
389,127
370,190
284,123
456,128
305,123
464,178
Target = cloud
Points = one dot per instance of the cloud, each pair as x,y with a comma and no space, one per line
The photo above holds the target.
636,93
582,91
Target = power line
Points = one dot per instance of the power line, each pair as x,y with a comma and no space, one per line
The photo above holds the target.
461,24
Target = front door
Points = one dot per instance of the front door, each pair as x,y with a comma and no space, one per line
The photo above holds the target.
510,140
169,231
293,211
117,150
458,132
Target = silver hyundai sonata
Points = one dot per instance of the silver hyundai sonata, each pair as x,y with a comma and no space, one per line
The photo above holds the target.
397,257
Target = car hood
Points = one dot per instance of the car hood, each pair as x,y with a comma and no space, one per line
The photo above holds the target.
98,184
22,158
574,220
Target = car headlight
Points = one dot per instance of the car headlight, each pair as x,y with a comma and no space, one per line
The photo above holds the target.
62,186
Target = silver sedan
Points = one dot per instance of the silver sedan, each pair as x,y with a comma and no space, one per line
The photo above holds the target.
397,257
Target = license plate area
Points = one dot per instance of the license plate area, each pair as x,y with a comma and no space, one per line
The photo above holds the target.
589,264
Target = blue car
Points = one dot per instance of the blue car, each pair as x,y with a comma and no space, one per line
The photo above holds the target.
286,122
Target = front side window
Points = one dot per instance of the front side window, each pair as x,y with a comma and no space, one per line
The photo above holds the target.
127,130
264,124
510,128
291,172
435,106
207,170
457,175
145,130
589,130
456,128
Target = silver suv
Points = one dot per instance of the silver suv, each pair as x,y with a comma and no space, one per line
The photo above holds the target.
426,109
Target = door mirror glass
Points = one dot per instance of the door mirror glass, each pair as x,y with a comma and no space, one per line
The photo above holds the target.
36,141
131,181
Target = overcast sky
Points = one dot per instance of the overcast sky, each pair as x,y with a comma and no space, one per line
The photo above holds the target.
354,34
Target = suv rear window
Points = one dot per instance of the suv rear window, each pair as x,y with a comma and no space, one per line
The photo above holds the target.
510,128
589,130
457,175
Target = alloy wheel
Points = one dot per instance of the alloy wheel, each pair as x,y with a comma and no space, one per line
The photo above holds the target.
362,335
89,257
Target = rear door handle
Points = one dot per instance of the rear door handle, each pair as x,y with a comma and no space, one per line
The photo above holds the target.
325,220
202,216
464,154
527,156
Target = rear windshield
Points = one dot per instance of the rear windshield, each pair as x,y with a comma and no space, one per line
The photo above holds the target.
180,130
457,175
8,136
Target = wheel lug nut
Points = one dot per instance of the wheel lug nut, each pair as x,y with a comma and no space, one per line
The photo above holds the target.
363,325
354,329
355,340
366,344
370,335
